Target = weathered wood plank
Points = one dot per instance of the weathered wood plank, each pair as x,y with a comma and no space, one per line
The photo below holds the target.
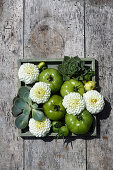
53,29
61,21
11,48
1,8
52,155
11,33
99,44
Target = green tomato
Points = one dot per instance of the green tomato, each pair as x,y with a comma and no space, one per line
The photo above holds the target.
53,78
53,108
79,124
72,86
56,125
63,131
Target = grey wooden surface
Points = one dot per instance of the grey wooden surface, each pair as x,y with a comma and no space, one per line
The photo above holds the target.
54,28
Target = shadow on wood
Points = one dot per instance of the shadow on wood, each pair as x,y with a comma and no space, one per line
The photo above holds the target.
107,108
103,115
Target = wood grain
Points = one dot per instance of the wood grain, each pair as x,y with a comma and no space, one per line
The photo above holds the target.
1,8
99,45
52,155
11,48
53,29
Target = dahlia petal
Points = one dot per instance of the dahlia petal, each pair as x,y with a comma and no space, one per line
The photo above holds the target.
28,73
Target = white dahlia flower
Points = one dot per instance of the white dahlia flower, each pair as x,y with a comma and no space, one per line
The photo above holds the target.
39,128
73,103
28,73
40,92
94,101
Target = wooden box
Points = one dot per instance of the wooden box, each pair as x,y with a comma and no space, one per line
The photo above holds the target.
53,63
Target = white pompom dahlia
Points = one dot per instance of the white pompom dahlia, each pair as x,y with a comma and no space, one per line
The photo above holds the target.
39,128
28,73
94,101
73,103
40,92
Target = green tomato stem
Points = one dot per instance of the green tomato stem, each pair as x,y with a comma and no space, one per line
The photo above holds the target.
79,117
76,88
56,108
50,78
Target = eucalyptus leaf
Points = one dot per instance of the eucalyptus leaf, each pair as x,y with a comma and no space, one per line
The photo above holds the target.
20,103
15,98
37,114
29,87
22,91
16,111
27,98
35,106
22,121
27,111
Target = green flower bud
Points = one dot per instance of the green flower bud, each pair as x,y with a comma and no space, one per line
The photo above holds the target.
90,85
41,65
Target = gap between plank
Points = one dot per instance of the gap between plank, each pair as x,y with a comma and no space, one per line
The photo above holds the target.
85,57
84,29
23,57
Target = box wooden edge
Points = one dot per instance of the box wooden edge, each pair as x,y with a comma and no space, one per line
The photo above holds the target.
28,134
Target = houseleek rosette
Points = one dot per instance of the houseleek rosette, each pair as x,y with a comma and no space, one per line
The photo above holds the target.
40,92
94,101
28,73
39,128
73,103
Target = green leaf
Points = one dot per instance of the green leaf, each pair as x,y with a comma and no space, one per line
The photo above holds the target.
15,99
27,98
66,78
27,111
61,68
80,78
87,77
35,106
37,114
66,58
16,111
29,87
22,121
22,91
21,104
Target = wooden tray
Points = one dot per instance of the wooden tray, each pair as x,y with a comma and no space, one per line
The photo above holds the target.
53,63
